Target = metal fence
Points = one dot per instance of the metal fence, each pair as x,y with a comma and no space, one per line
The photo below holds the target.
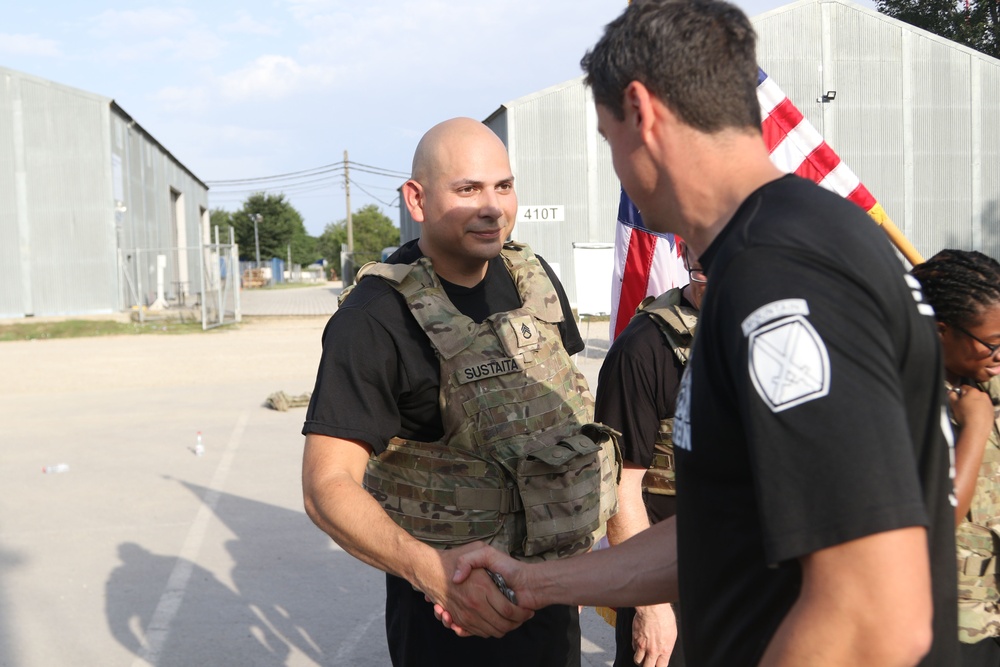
198,282
220,275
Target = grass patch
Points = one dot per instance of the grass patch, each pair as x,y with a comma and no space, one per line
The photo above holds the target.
89,328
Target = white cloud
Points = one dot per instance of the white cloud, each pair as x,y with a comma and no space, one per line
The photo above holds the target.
132,23
274,76
429,40
28,45
247,25
305,9
154,33
183,99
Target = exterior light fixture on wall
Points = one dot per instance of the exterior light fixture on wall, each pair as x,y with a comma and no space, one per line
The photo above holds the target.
830,96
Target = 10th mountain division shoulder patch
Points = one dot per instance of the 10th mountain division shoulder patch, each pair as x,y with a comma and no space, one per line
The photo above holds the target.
788,363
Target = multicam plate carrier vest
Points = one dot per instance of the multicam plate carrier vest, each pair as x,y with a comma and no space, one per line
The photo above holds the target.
520,464
677,323
978,542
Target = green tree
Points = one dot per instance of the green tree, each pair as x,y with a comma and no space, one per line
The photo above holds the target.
278,227
975,23
221,218
373,230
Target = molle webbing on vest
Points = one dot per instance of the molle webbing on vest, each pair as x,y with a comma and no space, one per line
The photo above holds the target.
677,324
414,483
660,479
978,542
519,465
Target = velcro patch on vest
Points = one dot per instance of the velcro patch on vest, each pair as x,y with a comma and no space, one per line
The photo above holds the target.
524,330
488,369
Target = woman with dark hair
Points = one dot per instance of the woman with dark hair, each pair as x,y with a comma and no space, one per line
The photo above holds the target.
964,289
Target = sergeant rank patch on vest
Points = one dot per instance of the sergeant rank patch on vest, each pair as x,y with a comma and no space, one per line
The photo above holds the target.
788,361
524,330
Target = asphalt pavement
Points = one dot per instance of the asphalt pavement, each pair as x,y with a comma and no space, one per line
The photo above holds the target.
143,552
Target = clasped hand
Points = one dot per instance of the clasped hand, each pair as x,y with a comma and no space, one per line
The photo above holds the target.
475,606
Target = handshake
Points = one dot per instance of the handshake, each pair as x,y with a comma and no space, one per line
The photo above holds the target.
487,593
469,599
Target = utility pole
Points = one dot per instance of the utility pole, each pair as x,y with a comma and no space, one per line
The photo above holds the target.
347,188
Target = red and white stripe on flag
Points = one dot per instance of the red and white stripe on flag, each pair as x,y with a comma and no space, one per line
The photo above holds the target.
796,146
647,263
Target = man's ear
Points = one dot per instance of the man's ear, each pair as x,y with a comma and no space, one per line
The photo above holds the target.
941,328
413,196
637,105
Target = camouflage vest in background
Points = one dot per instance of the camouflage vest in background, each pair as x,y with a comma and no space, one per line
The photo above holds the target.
677,323
978,542
520,464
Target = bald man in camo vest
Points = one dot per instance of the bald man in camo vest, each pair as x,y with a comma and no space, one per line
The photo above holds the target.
447,409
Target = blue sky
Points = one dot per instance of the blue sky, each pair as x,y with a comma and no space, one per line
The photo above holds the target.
262,87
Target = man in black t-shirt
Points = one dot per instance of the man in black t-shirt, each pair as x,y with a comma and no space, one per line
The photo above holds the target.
814,522
636,394
380,380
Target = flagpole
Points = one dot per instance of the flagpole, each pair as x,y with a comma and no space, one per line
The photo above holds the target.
902,244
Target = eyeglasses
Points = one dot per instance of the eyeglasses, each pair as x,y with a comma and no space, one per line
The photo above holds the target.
697,275
992,348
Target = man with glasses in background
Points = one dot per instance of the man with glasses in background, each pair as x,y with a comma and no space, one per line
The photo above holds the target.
636,394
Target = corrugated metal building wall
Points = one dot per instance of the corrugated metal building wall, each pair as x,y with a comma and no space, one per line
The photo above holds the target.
166,209
66,198
558,165
917,117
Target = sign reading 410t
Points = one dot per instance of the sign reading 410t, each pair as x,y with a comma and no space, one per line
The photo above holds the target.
556,213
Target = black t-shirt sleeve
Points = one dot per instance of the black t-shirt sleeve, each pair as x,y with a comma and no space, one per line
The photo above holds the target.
568,329
821,401
353,384
378,376
637,388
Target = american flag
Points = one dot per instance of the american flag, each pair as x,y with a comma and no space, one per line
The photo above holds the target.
647,263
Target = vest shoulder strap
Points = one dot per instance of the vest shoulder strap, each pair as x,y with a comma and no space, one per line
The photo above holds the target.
533,284
676,322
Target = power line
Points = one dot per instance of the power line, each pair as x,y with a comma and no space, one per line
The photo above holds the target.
302,182
376,187
355,184
390,172
280,186
335,167
330,167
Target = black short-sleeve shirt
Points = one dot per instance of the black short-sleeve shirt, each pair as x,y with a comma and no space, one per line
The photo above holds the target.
636,389
811,415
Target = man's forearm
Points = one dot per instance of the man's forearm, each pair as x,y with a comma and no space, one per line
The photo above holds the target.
640,571
365,531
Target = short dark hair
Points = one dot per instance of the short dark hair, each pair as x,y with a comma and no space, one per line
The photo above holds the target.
697,56
960,285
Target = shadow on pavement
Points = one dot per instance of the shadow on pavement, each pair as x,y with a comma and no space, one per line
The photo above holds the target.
8,561
270,612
